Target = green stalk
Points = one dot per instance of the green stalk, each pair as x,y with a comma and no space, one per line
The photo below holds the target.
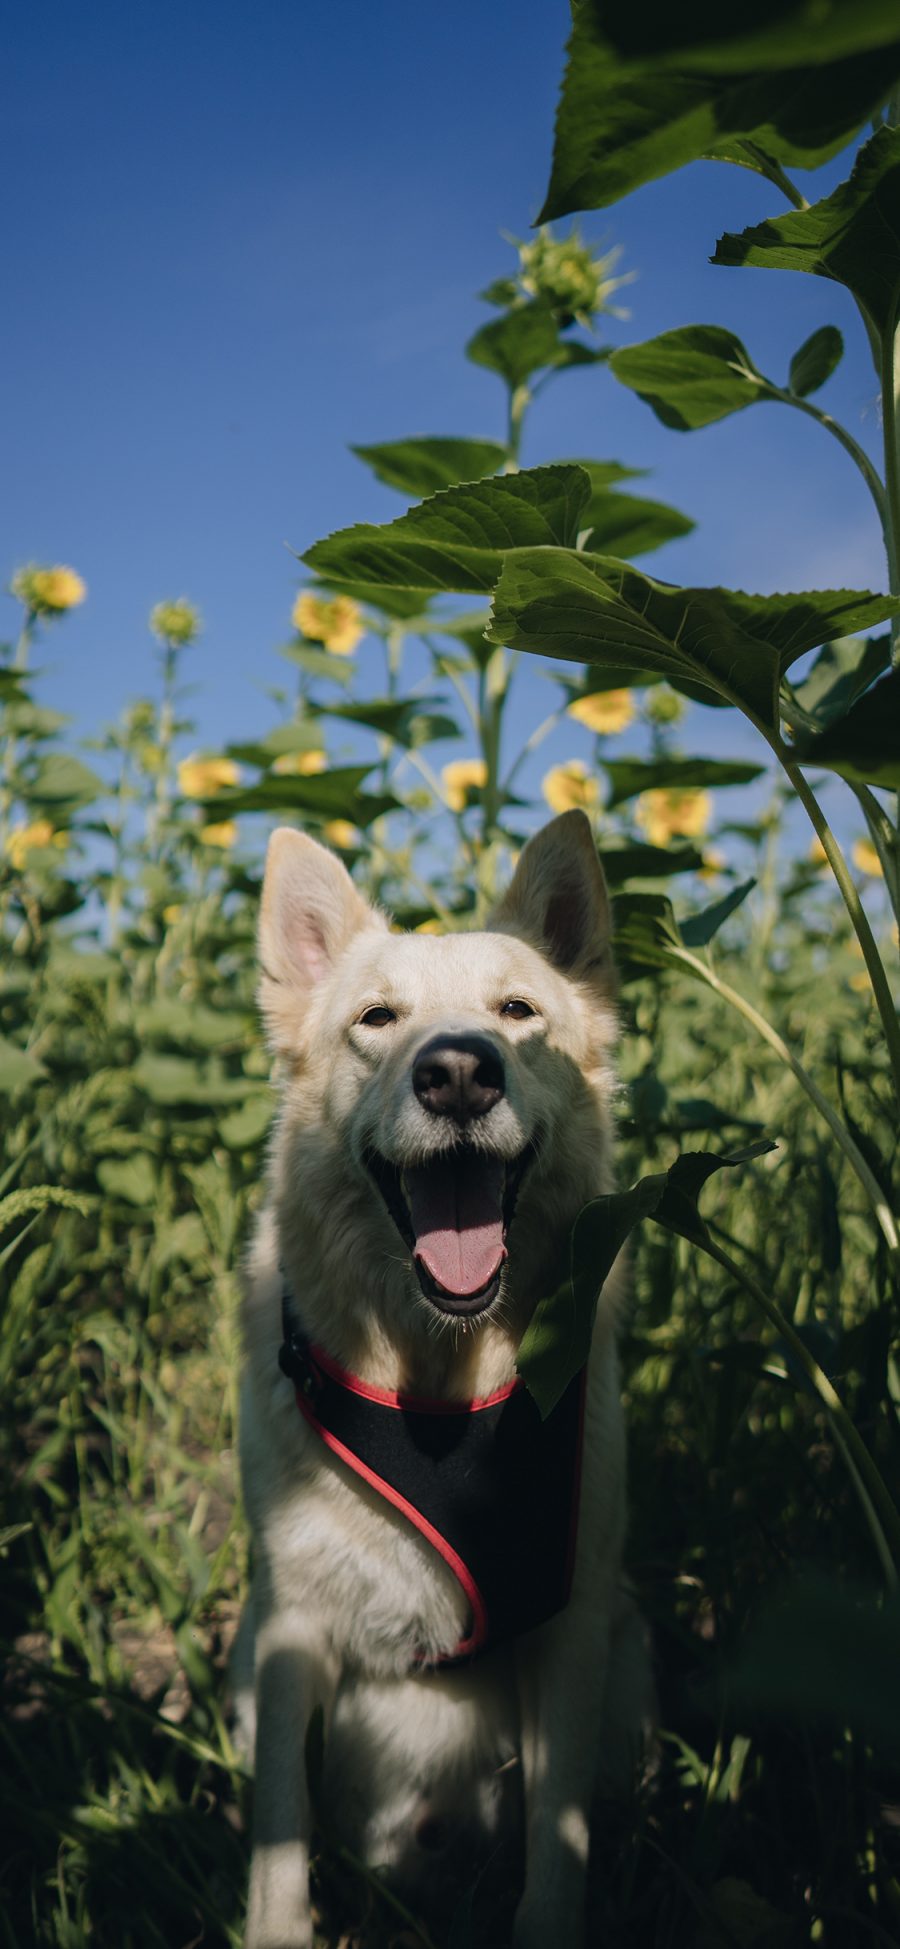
19,663
841,1135
885,840
880,985
857,453
890,408
878,1505
768,167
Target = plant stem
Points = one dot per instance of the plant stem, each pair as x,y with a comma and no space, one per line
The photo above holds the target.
768,167
890,411
531,743
880,1510
885,840
842,1136
852,902
857,453
519,402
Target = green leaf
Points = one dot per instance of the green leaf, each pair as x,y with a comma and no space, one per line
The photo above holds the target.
842,671
423,466
526,340
557,1342
17,1066
175,1080
133,1179
697,930
692,376
329,795
246,1127
409,722
460,539
607,473
191,1026
750,34
864,744
645,862
592,609
627,116
58,779
850,237
320,663
627,525
816,361
628,776
288,738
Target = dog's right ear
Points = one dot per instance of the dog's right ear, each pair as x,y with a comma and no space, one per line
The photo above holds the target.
310,912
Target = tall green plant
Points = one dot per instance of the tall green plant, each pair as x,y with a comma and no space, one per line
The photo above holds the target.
644,93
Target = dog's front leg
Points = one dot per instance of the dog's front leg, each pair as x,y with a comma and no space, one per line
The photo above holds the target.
296,1671
561,1677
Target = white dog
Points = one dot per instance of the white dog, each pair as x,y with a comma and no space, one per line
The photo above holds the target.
433,1566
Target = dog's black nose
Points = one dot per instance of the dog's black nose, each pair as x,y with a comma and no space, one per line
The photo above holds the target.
459,1076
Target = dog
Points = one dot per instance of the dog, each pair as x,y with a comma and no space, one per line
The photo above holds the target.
445,1112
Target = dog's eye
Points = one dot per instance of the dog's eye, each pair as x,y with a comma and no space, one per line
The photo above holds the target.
377,1017
517,1009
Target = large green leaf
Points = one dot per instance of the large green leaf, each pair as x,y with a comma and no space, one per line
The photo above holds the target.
864,744
594,610
526,340
460,539
749,34
641,861
627,524
409,721
329,795
692,376
853,236
557,1342
626,115
629,776
423,466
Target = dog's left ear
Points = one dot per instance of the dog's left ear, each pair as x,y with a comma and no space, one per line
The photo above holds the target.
557,899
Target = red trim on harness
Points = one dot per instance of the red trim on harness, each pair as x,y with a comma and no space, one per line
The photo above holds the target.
438,1542
413,1403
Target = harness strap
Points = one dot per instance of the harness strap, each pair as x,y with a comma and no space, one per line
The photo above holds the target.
492,1487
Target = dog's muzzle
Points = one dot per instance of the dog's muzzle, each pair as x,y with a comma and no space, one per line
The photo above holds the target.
453,1207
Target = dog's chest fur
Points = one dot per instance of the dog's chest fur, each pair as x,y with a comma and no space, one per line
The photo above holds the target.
335,1547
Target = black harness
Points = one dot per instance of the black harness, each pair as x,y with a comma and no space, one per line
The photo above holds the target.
491,1486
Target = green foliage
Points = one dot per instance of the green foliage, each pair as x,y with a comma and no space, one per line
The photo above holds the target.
843,237
423,466
559,603
460,539
647,90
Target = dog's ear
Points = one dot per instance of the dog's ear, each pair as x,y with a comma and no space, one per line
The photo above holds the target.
310,912
557,899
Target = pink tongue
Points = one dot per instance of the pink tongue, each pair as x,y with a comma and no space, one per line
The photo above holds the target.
457,1215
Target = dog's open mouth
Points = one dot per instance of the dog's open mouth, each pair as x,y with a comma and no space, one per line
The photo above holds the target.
454,1213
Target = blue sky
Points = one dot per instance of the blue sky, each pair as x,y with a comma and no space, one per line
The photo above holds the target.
238,239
